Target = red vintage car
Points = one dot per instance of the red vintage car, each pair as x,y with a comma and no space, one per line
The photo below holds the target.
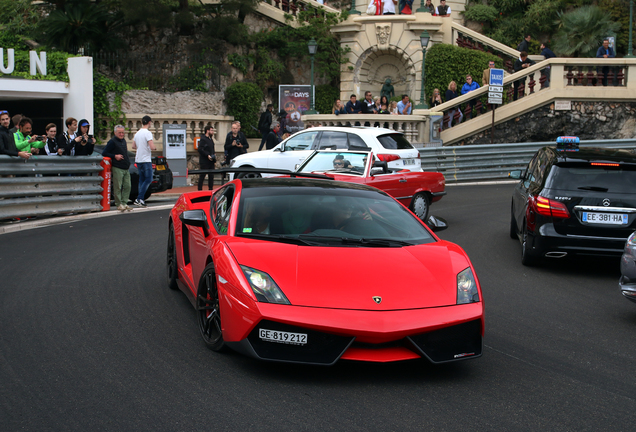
315,271
415,189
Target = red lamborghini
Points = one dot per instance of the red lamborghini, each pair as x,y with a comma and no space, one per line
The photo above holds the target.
315,271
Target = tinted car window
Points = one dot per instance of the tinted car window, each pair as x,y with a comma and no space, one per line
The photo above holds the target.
355,142
301,141
221,209
588,177
326,216
395,141
333,140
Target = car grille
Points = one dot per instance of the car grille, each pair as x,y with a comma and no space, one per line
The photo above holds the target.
451,343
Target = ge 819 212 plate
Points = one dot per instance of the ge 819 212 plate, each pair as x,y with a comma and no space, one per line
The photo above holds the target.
605,218
283,337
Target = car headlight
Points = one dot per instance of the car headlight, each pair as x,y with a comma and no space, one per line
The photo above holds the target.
631,240
264,287
466,287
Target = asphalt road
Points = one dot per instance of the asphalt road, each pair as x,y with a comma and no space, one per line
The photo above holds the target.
91,338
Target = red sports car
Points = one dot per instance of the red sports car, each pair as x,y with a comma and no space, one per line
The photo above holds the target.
415,189
314,270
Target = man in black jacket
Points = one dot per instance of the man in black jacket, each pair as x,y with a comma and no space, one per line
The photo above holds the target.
235,142
117,150
7,145
520,64
207,157
272,139
265,123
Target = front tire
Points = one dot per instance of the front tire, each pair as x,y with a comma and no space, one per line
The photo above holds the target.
171,260
420,206
208,310
248,175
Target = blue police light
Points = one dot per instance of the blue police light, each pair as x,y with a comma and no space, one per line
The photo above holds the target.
567,143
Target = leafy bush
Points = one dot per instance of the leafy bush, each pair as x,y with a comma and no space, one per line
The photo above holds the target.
244,102
101,106
56,65
582,31
481,13
326,95
446,63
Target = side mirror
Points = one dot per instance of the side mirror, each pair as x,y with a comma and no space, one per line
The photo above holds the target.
381,164
196,218
436,223
516,174
280,148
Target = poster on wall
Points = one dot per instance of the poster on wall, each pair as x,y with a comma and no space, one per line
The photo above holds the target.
175,143
294,100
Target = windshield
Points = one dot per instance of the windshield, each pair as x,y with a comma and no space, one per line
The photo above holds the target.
337,162
395,141
587,177
327,216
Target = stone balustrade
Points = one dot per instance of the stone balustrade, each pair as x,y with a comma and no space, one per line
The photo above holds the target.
195,124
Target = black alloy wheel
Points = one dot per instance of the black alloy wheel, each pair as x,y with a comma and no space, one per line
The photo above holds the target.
248,175
208,310
527,259
513,226
171,260
420,206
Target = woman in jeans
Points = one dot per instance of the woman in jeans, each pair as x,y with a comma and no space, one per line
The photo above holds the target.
451,94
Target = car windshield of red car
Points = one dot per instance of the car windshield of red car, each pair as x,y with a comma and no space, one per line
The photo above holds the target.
339,162
333,216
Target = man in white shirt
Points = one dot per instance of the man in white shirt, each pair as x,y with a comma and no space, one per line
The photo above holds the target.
143,159
389,7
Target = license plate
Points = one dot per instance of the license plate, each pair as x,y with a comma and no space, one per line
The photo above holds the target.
410,161
161,167
605,218
282,337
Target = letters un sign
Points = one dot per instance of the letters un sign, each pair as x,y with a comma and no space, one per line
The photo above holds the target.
496,77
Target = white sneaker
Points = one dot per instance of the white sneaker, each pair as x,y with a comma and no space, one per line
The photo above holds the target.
140,203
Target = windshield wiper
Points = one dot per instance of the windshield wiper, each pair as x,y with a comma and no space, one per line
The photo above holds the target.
281,238
594,188
365,242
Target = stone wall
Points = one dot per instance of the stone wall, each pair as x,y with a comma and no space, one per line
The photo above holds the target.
587,120
186,102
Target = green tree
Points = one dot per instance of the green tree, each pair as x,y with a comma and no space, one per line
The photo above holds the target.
582,30
81,23
18,20
244,102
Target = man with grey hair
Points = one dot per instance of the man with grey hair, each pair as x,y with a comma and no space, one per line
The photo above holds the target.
235,142
272,139
117,150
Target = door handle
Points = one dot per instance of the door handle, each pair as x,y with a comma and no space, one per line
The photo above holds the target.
402,180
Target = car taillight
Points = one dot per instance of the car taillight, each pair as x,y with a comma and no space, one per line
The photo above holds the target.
548,207
388,157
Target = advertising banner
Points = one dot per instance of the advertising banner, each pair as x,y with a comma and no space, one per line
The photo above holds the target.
294,100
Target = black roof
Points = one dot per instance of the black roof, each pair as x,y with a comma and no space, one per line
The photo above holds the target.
595,154
303,182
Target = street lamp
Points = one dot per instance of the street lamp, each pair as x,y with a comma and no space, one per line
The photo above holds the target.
422,8
353,10
424,39
313,46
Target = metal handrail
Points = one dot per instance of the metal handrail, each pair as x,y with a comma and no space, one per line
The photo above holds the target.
493,161
49,185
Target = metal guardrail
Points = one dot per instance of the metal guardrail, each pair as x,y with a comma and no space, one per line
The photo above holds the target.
49,185
493,161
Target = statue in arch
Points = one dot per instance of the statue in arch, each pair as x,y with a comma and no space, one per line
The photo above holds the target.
387,89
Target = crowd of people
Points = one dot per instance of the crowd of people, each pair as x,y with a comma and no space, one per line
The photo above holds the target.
18,139
405,7
372,105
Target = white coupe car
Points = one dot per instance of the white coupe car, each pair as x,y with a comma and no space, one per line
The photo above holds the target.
387,145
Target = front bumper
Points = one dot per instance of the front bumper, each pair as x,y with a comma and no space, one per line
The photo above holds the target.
437,334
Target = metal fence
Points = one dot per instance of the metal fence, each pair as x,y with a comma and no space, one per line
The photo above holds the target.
49,185
495,161
161,72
